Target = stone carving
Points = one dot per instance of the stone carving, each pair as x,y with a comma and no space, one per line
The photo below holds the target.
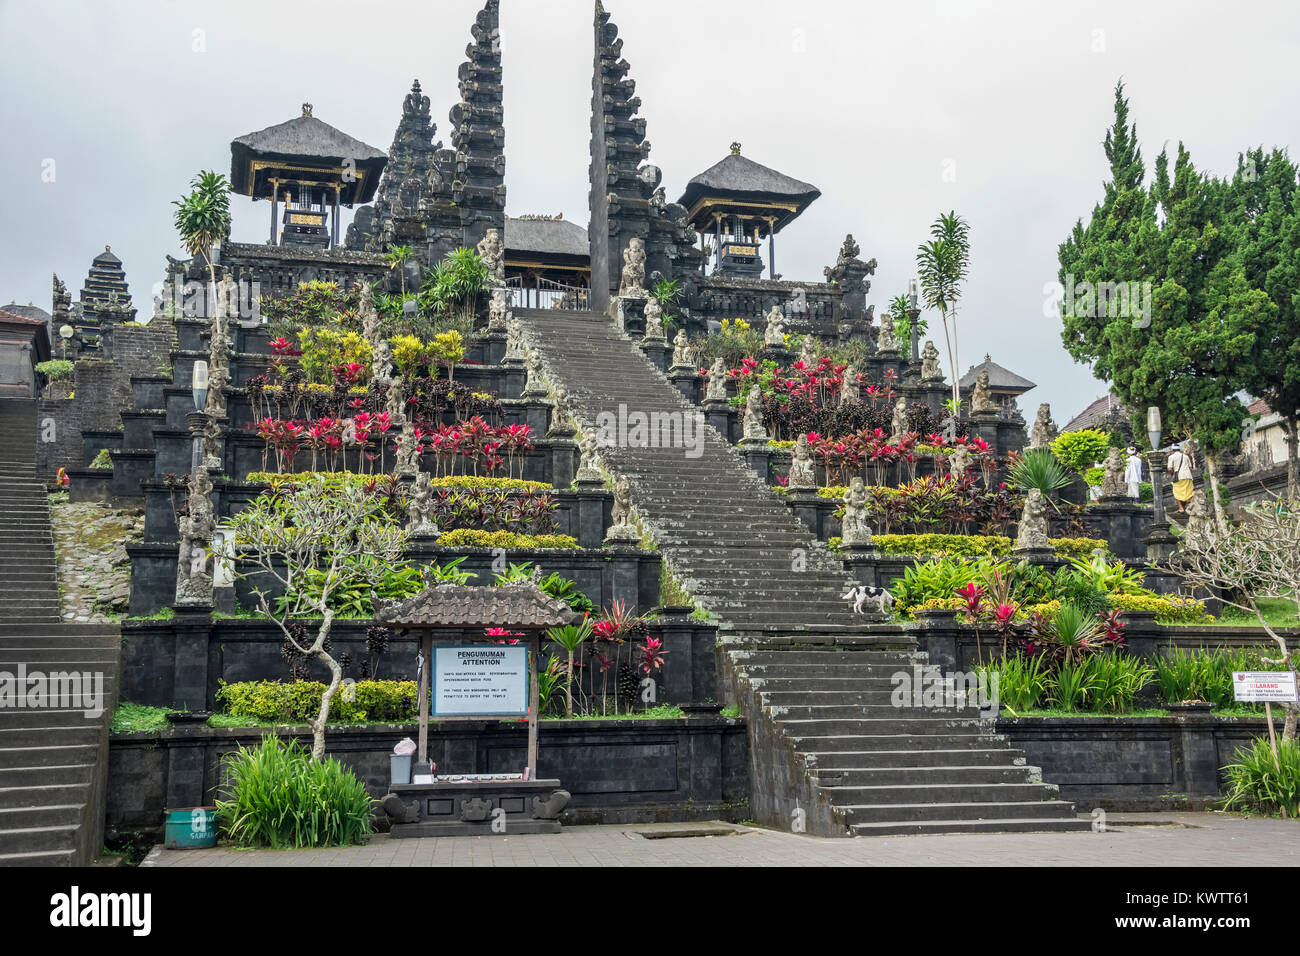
774,334
808,352
588,449
218,379
981,401
408,449
802,472
622,530
930,370
395,403
855,532
533,386
754,430
62,307
399,811
475,809
193,574
850,387
716,389
420,509
493,252
1043,431
560,415
681,351
498,311
898,425
551,807
227,303
1032,535
212,445
1112,485
1199,534
959,461
633,280
654,326
514,341
885,341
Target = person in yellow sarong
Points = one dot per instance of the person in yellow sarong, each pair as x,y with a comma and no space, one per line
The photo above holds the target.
1179,466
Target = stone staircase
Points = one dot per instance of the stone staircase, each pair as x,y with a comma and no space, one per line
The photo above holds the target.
53,759
830,754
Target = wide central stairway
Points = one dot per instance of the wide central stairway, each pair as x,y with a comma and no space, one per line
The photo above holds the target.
830,755
53,757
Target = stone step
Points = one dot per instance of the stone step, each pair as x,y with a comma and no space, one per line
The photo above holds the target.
777,669
16,718
871,707
886,742
880,760
39,738
49,815
924,794
60,658
41,795
38,858
36,839
933,776
973,810
996,825
56,775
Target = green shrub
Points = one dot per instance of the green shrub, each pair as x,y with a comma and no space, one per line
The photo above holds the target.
351,596
56,370
102,460
278,481
475,538
280,798
1258,779
1117,680
298,702
1078,450
1205,675
1169,609
974,545
1022,681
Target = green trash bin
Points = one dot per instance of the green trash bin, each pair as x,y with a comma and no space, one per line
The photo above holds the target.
191,829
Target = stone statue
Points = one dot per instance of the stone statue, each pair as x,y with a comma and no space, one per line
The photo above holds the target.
514,341
981,401
1112,485
193,575
622,531
420,509
408,449
218,379
212,445
898,425
716,388
381,363
681,351
802,472
754,430
369,315
227,304
850,387
1199,534
654,326
930,370
774,334
854,530
560,415
533,386
493,252
633,280
395,403
885,341
498,311
1032,535
808,352
1043,431
959,461
588,449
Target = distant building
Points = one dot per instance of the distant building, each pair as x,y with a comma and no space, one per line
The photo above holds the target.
548,259
24,342
1104,413
1265,444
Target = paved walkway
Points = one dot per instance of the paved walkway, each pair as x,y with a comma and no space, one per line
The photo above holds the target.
1171,839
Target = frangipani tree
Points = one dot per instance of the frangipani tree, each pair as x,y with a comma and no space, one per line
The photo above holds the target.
309,541
942,265
1257,558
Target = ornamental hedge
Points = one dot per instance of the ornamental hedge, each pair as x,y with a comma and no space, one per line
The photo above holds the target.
475,538
277,480
973,545
268,701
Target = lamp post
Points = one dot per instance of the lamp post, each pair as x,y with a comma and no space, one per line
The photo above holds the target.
1159,541
198,418
914,313
65,333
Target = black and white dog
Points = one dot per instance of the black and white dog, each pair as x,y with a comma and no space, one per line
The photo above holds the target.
863,594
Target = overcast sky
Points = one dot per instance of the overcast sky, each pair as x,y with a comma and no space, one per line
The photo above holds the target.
896,111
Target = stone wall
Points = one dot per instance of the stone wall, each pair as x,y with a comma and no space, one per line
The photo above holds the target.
618,771
101,392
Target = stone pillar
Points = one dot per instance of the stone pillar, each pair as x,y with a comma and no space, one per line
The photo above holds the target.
758,454
537,415
658,352
1198,770
191,626
861,561
186,767
985,425
564,461
803,502
516,375
593,506
495,347
629,314
687,381
718,414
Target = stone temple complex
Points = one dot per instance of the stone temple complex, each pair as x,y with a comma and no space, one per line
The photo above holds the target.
530,408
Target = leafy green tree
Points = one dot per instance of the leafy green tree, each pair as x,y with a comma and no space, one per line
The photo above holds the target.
1263,210
943,264
898,311
203,218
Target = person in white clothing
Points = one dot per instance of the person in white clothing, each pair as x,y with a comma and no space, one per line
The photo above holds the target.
1133,473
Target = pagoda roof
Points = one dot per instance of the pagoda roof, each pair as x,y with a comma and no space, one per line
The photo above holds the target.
470,607
540,234
106,258
747,184
305,141
1000,379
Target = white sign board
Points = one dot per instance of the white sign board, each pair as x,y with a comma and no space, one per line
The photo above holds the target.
1271,686
480,680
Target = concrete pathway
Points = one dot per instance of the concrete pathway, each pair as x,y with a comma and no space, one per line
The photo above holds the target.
1171,839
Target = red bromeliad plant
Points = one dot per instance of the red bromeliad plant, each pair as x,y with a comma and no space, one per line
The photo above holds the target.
973,595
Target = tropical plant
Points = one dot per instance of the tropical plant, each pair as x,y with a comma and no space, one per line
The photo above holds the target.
282,797
203,218
570,637
1038,469
1269,781
943,264
1079,450
397,257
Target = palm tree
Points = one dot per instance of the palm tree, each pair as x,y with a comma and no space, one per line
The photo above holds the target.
203,218
398,257
943,263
